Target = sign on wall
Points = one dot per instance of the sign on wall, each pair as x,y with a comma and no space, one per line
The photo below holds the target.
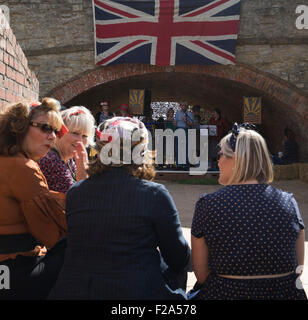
252,110
136,101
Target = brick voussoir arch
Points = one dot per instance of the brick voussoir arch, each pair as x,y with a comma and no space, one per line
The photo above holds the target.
283,91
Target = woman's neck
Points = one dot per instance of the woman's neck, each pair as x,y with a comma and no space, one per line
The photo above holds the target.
62,154
252,181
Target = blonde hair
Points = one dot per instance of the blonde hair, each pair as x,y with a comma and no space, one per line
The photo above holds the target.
252,159
80,119
15,122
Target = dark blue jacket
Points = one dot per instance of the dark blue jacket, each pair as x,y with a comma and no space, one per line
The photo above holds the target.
115,223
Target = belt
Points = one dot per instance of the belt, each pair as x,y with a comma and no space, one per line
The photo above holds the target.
270,276
12,243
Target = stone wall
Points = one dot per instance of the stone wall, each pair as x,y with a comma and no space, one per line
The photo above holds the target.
58,38
269,40
17,81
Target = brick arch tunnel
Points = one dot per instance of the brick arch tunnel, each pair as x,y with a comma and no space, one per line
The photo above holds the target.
224,87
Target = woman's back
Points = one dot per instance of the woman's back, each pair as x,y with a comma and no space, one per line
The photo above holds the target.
251,229
115,224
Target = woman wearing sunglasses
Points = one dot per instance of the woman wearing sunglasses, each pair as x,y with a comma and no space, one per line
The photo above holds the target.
248,237
67,161
31,216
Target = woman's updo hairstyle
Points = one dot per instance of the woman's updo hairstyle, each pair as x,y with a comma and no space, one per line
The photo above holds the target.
15,122
252,158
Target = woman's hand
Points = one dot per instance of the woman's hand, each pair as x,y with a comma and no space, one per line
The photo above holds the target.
81,160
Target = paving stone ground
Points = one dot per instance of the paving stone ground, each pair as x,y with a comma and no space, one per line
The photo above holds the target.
185,197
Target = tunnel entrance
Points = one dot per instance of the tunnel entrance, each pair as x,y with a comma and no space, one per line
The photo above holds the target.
211,87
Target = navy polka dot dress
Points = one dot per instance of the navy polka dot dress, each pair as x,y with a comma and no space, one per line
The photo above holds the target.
250,229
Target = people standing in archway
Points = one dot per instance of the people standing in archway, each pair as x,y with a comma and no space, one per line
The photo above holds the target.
150,123
124,111
222,129
169,122
196,125
104,114
168,159
290,149
183,120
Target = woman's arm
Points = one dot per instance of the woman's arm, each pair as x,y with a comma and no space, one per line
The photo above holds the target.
200,258
42,209
300,248
172,244
300,242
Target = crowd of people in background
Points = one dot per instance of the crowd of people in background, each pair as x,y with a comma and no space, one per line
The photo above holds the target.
190,118
74,229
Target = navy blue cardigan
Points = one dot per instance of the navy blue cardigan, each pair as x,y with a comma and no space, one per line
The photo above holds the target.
115,224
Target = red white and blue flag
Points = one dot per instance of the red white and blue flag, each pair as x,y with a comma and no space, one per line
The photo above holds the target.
166,32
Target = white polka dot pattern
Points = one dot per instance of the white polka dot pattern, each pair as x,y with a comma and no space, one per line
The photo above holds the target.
249,229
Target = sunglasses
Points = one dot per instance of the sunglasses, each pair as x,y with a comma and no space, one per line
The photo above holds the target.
46,128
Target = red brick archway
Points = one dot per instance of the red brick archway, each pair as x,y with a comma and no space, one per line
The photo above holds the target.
287,105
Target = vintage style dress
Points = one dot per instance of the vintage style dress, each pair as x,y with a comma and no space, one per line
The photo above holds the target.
249,229
60,176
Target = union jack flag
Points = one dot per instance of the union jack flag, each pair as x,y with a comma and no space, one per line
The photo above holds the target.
166,32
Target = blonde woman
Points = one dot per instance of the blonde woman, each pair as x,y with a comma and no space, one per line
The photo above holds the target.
248,237
66,162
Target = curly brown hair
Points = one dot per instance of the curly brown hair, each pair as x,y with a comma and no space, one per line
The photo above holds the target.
15,122
143,171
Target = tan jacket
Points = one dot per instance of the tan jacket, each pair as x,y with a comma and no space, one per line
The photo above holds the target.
27,205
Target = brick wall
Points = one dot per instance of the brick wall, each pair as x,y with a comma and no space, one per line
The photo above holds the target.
17,81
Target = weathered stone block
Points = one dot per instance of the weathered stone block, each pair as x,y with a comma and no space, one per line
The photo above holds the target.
286,172
303,172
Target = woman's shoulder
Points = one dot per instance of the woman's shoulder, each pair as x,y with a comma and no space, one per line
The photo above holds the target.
23,170
141,186
278,193
229,193
21,163
50,157
151,186
220,193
